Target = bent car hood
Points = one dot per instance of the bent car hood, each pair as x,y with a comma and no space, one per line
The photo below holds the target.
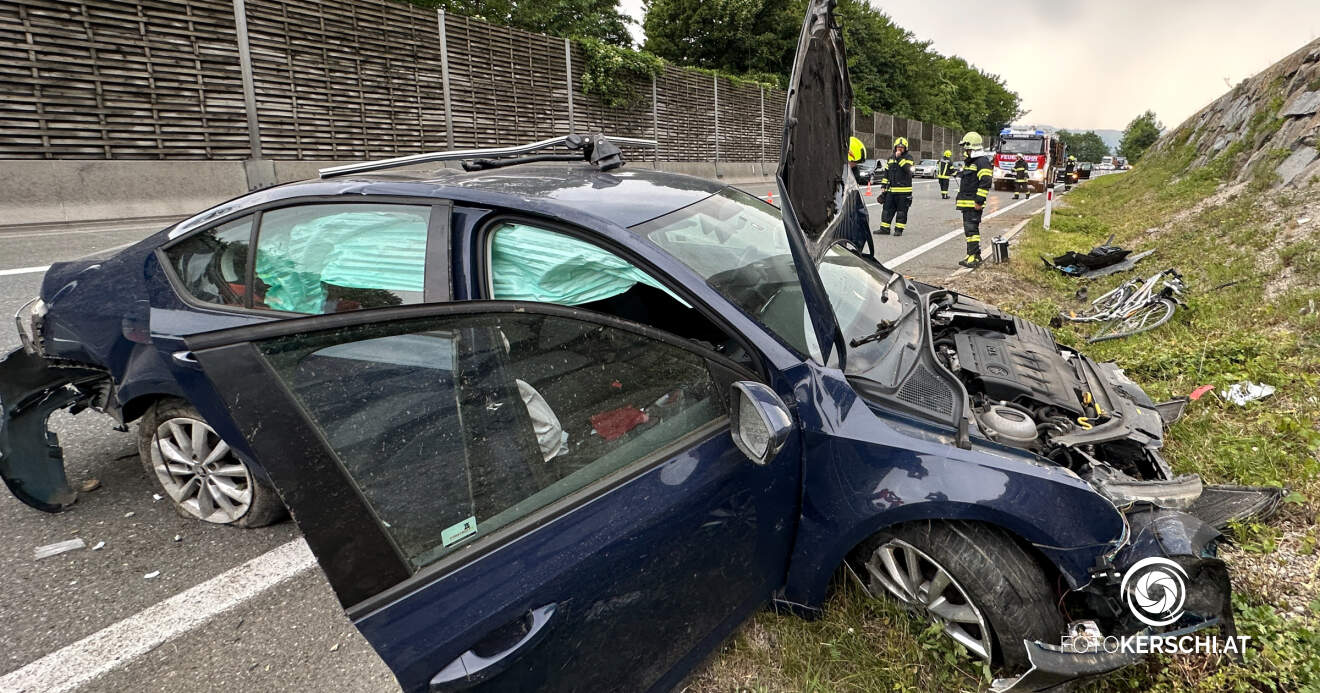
821,202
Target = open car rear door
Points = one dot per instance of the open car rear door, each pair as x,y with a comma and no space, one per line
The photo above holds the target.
513,496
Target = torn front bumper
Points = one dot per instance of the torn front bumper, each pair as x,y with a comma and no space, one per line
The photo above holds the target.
31,461
1205,601
1053,666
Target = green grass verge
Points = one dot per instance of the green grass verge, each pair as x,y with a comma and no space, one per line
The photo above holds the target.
1263,328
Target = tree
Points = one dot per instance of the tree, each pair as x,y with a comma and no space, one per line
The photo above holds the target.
891,70
590,19
745,37
1086,146
1139,135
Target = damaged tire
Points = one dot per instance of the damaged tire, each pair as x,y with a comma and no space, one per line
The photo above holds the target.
198,471
982,587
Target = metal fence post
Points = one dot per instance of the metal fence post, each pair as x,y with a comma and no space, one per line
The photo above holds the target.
249,89
568,77
716,81
655,126
444,80
762,88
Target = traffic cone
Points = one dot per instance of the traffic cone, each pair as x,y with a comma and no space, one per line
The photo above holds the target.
868,188
771,197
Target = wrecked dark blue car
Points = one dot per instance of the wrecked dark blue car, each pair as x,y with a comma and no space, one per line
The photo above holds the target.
564,426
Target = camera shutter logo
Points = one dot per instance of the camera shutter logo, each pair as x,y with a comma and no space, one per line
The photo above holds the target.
1154,590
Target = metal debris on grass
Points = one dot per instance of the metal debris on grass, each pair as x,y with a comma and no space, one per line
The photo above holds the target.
58,548
1243,392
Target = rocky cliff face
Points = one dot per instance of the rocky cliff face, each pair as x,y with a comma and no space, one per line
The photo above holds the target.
1272,120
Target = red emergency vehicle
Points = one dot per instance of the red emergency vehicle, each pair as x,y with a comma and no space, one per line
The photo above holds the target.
1043,152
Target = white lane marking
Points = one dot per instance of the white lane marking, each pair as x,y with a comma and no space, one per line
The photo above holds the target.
8,236
893,262
23,270
119,643
43,268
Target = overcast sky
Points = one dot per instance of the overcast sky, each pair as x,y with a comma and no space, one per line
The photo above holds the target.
1098,63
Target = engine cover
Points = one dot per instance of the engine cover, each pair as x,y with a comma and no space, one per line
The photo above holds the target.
1022,365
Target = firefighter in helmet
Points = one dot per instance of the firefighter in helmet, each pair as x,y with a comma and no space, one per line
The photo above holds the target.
942,172
897,188
1020,174
1070,173
856,151
973,189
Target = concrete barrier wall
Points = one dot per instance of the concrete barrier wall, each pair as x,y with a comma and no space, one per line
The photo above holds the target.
54,191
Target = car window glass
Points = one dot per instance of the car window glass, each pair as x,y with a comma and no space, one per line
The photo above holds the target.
212,265
454,427
532,264
339,257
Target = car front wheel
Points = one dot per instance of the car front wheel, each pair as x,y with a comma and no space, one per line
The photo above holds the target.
980,586
199,472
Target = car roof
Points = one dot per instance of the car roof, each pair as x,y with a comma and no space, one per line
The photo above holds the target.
626,196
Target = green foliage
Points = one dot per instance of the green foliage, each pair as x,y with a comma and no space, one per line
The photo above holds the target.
1139,135
600,20
1086,146
611,73
733,37
891,70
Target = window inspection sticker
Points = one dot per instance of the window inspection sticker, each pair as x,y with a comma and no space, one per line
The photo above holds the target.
458,532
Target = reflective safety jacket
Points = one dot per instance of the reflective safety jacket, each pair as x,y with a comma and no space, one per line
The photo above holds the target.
944,168
856,150
1020,169
974,182
898,174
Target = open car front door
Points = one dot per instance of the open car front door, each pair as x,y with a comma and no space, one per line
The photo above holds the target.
513,496
821,203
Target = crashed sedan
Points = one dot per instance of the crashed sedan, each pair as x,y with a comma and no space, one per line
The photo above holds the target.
564,426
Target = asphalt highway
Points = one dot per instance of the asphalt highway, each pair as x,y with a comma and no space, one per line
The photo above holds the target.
172,604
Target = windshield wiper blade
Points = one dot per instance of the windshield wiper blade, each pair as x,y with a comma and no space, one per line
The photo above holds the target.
882,330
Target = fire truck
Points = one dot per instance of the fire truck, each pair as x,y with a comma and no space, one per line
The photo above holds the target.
1043,153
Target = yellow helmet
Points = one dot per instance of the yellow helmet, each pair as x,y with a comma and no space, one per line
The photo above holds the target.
971,140
948,153
901,142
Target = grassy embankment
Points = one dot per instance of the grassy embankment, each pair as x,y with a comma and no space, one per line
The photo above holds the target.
1264,328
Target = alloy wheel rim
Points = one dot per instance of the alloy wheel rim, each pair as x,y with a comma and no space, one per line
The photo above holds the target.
923,586
199,471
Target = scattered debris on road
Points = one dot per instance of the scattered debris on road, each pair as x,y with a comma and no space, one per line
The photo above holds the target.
89,485
129,514
156,497
1243,392
99,545
58,548
178,537
152,575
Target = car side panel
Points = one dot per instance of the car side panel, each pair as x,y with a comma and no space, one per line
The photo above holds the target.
865,472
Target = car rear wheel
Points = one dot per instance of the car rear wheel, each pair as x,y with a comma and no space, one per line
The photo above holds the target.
199,472
979,585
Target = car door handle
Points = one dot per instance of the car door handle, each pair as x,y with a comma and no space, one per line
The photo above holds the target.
186,358
479,664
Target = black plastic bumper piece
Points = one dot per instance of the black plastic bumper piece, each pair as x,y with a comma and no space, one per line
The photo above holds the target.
31,461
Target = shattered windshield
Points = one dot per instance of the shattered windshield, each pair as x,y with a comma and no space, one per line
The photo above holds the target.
738,244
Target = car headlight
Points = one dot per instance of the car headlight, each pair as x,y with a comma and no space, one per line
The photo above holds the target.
29,319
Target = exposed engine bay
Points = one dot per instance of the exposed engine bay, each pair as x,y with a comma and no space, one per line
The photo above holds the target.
1029,392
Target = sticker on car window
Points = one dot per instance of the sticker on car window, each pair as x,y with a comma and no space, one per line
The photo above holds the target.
456,533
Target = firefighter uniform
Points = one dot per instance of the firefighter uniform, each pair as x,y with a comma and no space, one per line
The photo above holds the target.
1070,173
897,184
942,172
1020,173
973,190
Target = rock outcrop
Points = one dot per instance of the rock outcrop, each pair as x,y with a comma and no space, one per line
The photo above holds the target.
1272,119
